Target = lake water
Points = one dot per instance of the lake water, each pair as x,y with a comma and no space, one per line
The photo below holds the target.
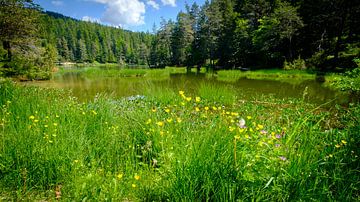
87,88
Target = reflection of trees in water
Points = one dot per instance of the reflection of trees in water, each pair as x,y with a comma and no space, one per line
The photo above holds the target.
86,89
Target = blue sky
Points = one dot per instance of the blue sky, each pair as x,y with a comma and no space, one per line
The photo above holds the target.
135,15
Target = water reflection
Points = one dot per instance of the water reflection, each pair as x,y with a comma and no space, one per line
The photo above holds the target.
86,88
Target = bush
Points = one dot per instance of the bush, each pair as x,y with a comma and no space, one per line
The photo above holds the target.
298,64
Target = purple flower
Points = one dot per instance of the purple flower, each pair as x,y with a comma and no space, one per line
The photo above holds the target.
278,136
283,158
263,132
277,145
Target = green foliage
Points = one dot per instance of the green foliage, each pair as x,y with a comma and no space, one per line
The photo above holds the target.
174,146
298,64
350,81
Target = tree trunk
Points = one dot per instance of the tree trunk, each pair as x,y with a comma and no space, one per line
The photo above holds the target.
7,47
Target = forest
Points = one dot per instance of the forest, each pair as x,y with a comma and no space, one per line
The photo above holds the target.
222,34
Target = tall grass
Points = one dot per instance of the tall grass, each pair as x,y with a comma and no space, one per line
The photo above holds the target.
174,146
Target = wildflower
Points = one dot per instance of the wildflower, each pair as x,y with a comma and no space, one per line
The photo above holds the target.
241,123
93,111
76,161
197,109
46,126
344,142
206,108
249,117
231,128
277,145
120,176
169,120
182,103
337,146
263,132
160,123
330,155
278,136
188,99
283,158
137,177
57,116
197,99
133,185
237,137
260,126
181,92
32,117
148,121
55,124
179,120
167,110
214,108
35,121
234,114
153,109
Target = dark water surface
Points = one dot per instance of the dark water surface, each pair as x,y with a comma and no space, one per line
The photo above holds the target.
87,88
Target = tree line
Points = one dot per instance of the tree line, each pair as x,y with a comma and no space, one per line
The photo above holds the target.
260,34
318,34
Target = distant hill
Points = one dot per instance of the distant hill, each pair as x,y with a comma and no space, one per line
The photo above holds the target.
80,41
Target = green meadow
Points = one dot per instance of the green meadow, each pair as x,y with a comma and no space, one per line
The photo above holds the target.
172,145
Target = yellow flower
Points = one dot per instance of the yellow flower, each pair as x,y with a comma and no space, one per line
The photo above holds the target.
337,146
148,122
120,176
181,92
182,103
188,99
167,110
32,117
206,108
94,112
169,120
260,126
133,185
249,117
344,142
137,177
160,123
231,128
237,137
197,109
83,113
197,99
76,161
46,126
55,124
179,120
214,108
234,114
153,109
36,120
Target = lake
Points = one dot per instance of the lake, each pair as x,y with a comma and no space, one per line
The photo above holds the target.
86,88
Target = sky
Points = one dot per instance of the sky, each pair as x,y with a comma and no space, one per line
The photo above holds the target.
135,15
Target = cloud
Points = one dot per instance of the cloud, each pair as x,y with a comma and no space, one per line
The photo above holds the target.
153,4
57,3
169,2
123,12
90,19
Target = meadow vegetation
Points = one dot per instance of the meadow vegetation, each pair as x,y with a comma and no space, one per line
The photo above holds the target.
172,145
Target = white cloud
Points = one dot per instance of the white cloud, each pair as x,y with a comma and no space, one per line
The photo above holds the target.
57,3
90,19
169,2
123,12
153,4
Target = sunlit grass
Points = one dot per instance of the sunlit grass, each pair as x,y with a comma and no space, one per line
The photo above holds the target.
174,145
